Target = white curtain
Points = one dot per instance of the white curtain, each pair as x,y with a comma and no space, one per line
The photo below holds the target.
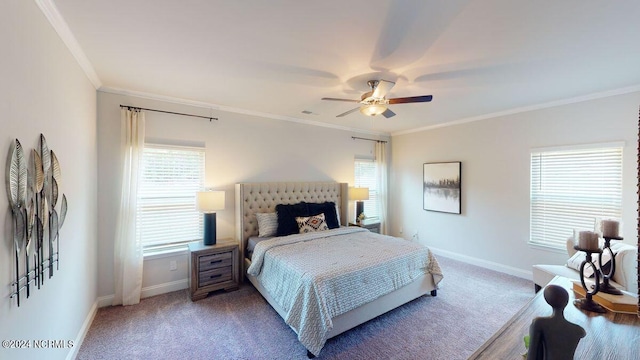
381,174
128,258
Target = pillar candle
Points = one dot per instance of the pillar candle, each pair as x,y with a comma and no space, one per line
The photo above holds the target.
610,228
588,240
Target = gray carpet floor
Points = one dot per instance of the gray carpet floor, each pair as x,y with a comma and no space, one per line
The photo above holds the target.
472,303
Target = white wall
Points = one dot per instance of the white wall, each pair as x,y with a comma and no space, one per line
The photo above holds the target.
239,148
43,90
494,226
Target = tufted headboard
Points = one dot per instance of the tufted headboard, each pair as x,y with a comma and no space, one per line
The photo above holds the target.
263,197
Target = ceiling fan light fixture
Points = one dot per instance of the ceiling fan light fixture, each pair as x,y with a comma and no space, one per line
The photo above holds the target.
373,109
375,102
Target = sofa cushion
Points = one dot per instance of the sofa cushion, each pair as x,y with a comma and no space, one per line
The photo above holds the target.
626,266
543,274
576,260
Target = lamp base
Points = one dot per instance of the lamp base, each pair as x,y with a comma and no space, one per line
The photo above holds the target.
359,209
209,229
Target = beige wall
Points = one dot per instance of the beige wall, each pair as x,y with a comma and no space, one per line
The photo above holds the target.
43,90
239,148
494,226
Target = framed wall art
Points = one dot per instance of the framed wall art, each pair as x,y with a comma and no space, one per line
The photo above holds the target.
441,187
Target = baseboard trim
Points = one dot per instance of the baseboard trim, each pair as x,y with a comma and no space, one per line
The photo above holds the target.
104,301
149,291
83,331
164,288
528,275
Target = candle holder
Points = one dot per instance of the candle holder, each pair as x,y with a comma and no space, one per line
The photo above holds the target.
605,286
587,302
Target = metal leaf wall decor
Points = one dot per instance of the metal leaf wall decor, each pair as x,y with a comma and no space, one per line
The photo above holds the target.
63,210
16,176
38,172
33,186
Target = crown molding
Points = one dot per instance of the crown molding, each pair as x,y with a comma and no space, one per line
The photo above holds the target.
52,14
595,96
206,105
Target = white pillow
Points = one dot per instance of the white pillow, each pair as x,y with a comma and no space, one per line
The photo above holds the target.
576,260
338,215
267,224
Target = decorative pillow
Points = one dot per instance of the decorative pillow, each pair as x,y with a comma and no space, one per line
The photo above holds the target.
312,223
329,210
267,224
576,260
287,214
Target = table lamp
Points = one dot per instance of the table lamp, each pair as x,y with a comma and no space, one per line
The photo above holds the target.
358,195
208,202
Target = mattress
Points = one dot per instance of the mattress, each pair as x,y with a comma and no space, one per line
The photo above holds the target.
251,243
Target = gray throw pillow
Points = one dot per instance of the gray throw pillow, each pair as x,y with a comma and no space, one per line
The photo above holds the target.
267,224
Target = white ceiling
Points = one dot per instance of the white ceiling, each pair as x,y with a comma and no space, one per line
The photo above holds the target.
478,58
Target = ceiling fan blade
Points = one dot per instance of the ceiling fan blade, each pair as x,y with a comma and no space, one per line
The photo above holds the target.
382,89
411,99
348,112
336,99
388,113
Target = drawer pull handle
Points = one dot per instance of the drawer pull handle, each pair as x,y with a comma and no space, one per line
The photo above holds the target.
215,262
214,276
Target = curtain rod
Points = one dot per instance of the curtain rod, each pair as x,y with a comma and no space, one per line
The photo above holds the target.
359,138
169,112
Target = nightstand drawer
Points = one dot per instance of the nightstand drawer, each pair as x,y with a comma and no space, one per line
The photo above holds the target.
209,262
214,276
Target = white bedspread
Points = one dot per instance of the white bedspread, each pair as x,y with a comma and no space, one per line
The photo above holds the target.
320,275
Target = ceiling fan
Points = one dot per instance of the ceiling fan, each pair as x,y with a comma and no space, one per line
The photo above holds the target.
374,103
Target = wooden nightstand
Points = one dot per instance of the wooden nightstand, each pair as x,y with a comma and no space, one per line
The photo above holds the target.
213,267
369,225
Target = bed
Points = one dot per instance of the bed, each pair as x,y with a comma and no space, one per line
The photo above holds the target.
321,307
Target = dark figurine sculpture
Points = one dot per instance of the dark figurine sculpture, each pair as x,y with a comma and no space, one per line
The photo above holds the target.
554,337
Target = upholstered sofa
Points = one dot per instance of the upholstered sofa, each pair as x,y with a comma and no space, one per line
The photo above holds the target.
625,277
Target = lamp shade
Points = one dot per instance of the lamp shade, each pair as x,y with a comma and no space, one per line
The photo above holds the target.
209,201
358,194
373,109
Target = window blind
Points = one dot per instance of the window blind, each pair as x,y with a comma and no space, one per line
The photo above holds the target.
365,176
171,176
572,187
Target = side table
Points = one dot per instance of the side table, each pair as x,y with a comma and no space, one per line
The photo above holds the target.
213,267
369,225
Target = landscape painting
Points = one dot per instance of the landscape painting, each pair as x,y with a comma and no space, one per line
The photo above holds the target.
441,187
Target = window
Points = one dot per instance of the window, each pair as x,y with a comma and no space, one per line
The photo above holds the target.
365,176
570,187
170,178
